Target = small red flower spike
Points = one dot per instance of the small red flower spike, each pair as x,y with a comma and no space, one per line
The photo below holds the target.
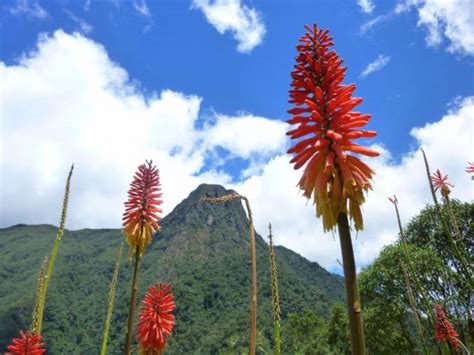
141,217
444,329
441,182
156,320
27,344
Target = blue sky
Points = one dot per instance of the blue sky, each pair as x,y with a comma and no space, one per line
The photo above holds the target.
175,48
422,67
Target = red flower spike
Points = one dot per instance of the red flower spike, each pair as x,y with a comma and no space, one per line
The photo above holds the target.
470,168
441,182
156,320
444,329
27,344
334,177
141,217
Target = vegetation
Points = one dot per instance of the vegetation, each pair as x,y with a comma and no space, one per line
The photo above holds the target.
202,250
388,315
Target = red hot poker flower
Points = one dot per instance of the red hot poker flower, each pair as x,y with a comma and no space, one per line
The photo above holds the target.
323,112
470,168
444,330
156,320
28,343
141,218
441,182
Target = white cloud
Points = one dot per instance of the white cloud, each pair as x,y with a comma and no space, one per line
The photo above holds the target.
68,102
29,8
451,20
142,7
368,25
82,25
247,135
366,6
380,62
243,22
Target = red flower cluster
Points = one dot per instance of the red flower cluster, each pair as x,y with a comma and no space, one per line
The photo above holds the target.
444,330
470,168
156,320
323,112
441,182
27,344
140,219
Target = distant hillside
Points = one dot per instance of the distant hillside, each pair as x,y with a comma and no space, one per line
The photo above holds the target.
203,250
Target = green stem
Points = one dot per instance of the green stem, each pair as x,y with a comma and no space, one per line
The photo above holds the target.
133,301
110,308
352,290
411,270
54,253
275,293
253,302
466,270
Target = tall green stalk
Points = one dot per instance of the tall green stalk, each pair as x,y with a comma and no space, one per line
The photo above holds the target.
52,260
253,260
39,294
467,270
133,302
411,270
352,290
110,307
275,294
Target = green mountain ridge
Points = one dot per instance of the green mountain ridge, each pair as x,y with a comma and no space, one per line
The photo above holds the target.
202,249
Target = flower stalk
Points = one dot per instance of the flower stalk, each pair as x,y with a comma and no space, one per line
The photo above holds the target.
52,259
467,270
110,306
334,176
253,259
275,293
39,294
140,222
352,289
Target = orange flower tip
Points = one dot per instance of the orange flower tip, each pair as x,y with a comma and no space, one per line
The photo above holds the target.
28,343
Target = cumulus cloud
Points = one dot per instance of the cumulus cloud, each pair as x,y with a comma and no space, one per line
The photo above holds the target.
67,101
29,8
443,20
452,20
380,62
366,6
243,22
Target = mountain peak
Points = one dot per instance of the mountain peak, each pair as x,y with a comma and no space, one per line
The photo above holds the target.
192,210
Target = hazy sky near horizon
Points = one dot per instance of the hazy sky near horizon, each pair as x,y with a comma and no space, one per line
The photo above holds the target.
201,87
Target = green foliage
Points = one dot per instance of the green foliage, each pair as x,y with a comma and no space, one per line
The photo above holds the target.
202,250
388,317
310,334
